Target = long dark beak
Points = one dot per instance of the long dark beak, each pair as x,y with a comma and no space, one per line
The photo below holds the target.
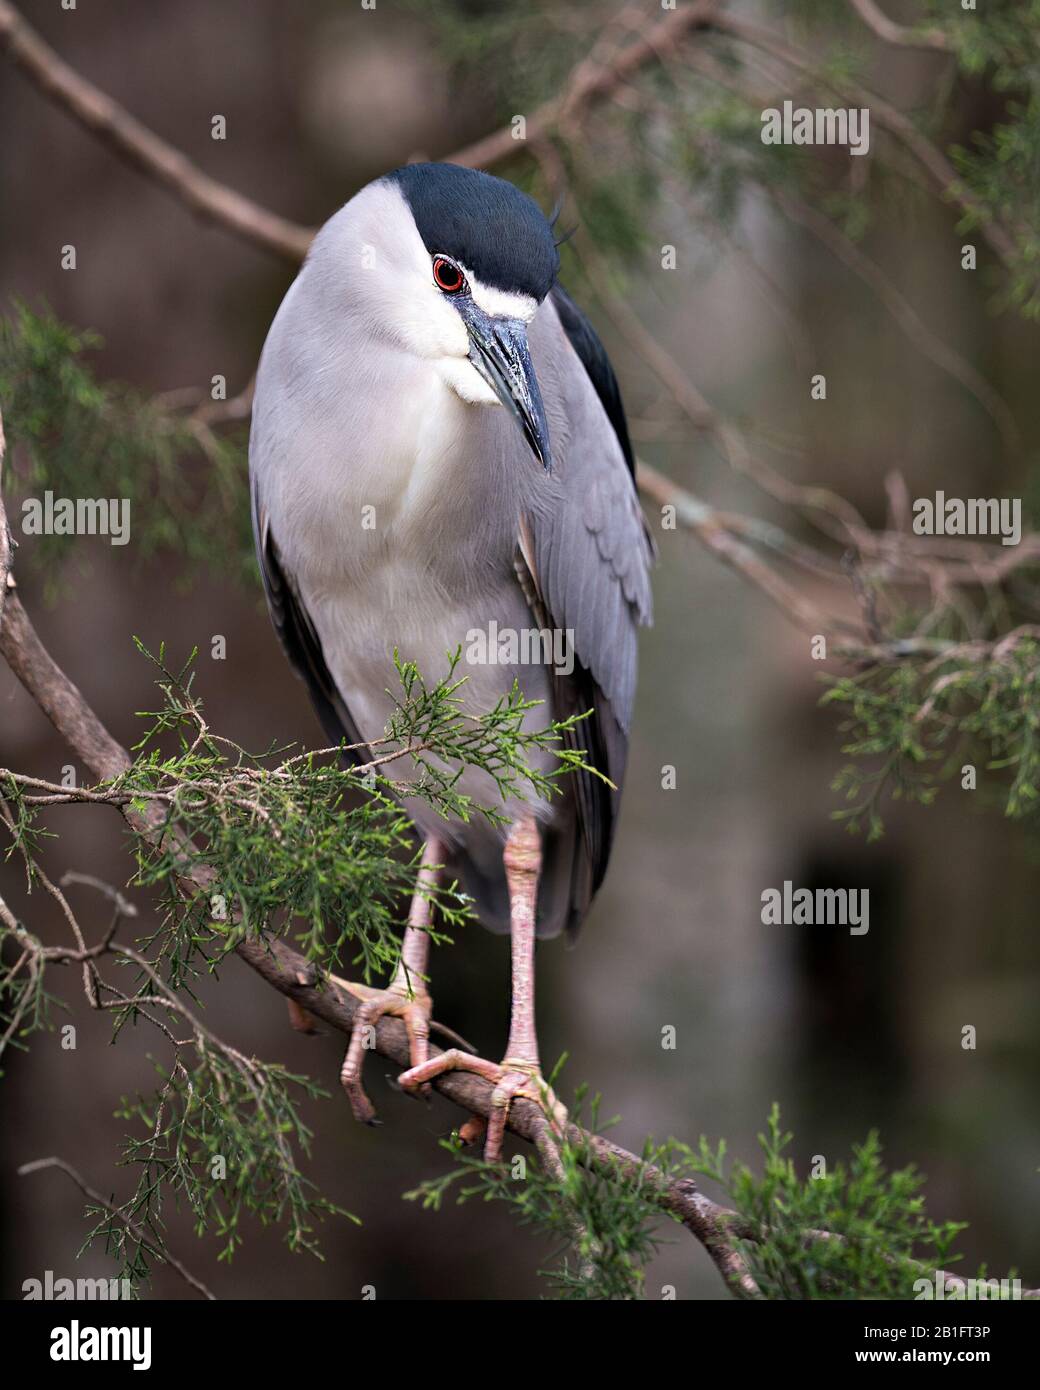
498,349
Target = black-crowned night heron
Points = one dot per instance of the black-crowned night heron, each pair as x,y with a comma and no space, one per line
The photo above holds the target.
398,506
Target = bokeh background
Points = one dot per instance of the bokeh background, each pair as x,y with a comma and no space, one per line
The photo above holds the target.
846,1033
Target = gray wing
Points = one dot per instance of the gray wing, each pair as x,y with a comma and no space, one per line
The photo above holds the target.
299,639
590,556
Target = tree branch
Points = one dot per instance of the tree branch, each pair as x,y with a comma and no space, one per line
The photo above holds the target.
291,974
146,151
590,82
128,137
935,164
899,34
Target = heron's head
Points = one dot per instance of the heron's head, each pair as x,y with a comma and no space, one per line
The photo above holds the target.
451,265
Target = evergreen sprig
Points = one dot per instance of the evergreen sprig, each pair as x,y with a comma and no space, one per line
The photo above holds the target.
82,438
853,1231
601,1219
309,843
221,1135
911,725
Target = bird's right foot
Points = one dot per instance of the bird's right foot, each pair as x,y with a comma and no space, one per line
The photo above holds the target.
511,1078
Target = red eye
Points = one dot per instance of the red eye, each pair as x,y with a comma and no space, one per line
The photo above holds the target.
447,275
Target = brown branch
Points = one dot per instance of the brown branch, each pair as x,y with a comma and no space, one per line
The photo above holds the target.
711,527
940,650
899,34
590,82
717,1228
293,975
142,148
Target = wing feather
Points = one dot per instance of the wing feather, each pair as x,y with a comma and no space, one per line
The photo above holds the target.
299,639
590,556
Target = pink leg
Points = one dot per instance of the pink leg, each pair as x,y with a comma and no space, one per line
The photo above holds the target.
519,1072
522,857
406,997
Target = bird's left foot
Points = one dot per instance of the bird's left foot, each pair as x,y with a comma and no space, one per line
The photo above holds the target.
512,1077
409,1002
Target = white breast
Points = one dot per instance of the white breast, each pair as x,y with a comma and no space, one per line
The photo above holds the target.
398,525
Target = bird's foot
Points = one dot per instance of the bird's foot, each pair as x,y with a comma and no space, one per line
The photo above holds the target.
402,999
512,1077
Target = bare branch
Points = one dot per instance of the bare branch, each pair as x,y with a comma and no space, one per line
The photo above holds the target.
142,148
711,528
899,34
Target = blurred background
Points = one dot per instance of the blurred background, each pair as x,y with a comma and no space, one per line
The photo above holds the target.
847,1033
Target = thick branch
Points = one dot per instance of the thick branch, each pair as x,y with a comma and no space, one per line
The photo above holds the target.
98,113
716,1227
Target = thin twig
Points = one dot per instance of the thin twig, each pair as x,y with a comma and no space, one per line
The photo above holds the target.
589,84
38,1165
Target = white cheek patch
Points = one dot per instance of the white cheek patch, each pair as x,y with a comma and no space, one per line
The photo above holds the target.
466,381
430,327
501,303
